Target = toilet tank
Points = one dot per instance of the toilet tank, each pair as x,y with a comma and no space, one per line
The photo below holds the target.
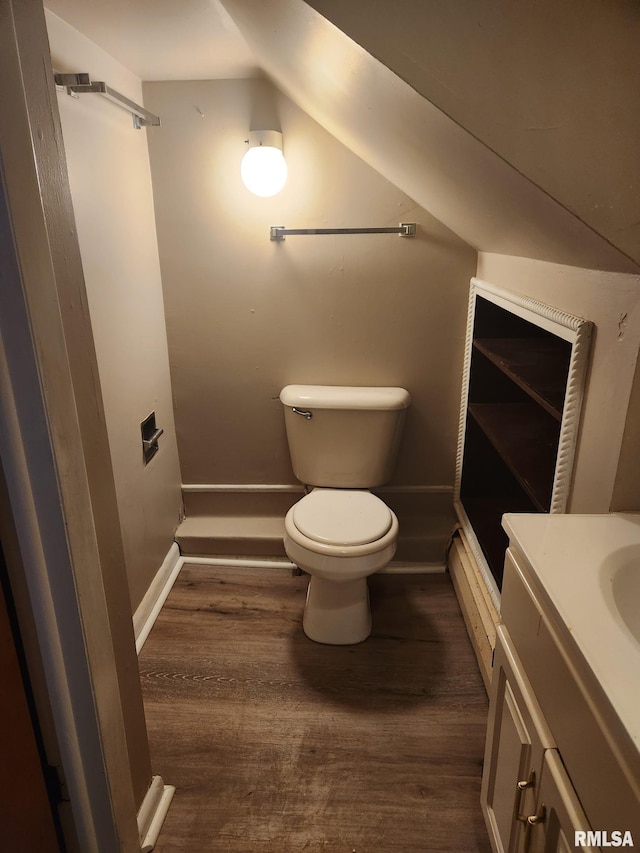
343,437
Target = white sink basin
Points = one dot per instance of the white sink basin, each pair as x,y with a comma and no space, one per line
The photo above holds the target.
587,569
620,580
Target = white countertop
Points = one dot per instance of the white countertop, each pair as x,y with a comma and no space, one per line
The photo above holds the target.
581,563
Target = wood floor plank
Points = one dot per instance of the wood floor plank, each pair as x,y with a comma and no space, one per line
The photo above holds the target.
277,744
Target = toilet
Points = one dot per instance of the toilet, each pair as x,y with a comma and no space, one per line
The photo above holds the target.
343,441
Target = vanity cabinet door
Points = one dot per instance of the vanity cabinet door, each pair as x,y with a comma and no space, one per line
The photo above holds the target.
517,738
559,815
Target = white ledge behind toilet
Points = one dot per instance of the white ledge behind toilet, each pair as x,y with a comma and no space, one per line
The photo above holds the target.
425,513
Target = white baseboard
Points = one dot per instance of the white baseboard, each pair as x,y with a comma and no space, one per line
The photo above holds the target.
160,587
155,596
153,812
240,562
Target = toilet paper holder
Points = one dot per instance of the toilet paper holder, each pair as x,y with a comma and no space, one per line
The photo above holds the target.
150,435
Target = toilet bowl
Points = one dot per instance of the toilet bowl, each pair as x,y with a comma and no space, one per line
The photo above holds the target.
343,441
339,536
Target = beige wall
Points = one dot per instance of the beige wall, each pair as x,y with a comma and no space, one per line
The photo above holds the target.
112,197
551,87
626,494
246,316
612,302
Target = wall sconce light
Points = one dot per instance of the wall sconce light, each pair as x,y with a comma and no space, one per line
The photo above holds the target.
263,168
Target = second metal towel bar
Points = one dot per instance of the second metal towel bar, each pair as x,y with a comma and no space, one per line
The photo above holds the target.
405,229
78,84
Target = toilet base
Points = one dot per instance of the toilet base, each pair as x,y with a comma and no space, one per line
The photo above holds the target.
337,614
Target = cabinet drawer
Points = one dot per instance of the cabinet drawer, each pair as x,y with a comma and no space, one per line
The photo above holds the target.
594,759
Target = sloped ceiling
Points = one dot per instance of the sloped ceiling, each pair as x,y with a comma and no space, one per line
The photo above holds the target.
390,125
552,87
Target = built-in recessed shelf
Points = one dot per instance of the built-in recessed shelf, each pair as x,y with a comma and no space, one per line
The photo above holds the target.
524,373
526,439
537,365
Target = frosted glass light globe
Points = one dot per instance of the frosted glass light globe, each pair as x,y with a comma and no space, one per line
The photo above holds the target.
264,170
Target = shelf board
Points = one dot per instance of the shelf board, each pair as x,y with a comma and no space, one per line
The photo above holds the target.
526,440
537,365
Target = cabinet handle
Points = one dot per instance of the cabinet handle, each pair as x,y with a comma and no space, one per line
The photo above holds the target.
531,821
520,787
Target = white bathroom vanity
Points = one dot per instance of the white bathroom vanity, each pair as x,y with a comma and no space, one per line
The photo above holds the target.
563,742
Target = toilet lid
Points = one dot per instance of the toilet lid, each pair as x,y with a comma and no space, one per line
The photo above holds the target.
342,517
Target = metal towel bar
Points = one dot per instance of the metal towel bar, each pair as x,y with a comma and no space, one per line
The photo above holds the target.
405,229
80,84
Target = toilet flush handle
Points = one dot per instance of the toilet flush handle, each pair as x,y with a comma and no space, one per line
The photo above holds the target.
305,414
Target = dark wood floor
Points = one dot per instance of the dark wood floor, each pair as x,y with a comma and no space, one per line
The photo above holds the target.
277,744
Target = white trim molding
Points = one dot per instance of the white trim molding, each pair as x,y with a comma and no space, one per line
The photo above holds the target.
414,490
152,812
224,488
392,568
156,595
277,488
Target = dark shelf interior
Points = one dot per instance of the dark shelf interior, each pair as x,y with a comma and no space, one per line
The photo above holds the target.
485,516
537,365
488,490
526,439
517,382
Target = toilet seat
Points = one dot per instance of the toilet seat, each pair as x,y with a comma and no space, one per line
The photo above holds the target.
332,548
342,517
347,535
